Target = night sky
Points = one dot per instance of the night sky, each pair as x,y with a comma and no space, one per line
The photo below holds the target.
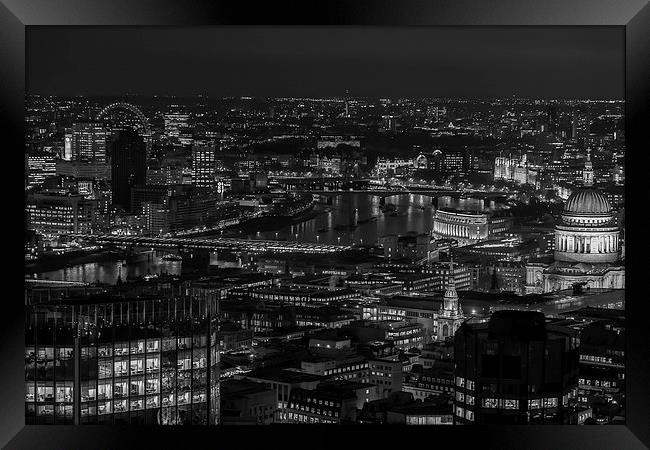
574,62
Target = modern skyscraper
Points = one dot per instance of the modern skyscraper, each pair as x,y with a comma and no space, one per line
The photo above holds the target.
552,119
128,166
115,360
516,369
204,166
88,142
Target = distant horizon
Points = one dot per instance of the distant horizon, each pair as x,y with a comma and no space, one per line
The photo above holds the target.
338,98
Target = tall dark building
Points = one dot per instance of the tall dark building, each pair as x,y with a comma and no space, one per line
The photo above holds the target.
553,119
128,166
98,359
516,369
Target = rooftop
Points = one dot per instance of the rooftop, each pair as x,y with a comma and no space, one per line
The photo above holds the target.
282,375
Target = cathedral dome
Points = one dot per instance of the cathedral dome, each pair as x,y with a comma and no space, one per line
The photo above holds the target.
587,201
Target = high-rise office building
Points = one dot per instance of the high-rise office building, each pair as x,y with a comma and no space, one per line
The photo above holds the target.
204,166
553,119
516,369
114,360
88,143
128,166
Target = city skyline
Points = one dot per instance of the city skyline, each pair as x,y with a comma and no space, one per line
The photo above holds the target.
348,261
347,226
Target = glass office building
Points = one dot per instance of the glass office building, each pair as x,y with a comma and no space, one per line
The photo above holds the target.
108,360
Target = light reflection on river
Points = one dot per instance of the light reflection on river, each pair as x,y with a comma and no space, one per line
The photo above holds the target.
412,212
108,271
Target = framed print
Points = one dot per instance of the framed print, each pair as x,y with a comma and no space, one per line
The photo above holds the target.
325,224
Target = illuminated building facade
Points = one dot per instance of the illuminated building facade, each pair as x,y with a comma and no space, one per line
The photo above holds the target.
516,369
301,297
389,166
204,166
88,142
451,315
53,213
467,227
174,122
110,360
39,167
587,245
514,169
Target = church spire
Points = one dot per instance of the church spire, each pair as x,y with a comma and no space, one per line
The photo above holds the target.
450,315
451,296
588,171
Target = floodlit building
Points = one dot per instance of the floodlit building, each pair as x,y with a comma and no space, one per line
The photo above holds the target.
588,247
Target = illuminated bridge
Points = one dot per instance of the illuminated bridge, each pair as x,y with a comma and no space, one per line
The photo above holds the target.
415,191
212,244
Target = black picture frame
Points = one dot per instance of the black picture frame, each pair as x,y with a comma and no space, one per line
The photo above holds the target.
633,16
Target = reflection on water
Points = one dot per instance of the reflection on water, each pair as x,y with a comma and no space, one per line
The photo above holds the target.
412,212
405,212
108,271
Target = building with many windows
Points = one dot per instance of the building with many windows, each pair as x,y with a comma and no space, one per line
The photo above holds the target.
331,402
386,374
111,360
516,369
39,167
468,227
204,166
88,142
53,213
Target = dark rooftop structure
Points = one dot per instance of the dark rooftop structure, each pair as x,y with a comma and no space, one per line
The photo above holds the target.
528,325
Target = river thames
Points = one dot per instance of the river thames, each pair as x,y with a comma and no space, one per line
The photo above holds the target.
404,213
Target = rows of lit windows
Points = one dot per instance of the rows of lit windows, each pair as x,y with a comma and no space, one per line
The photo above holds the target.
597,383
501,403
596,359
344,369
401,333
315,410
428,420
307,419
466,398
381,374
429,388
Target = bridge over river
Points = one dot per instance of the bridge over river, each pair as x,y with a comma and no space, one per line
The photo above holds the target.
212,244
